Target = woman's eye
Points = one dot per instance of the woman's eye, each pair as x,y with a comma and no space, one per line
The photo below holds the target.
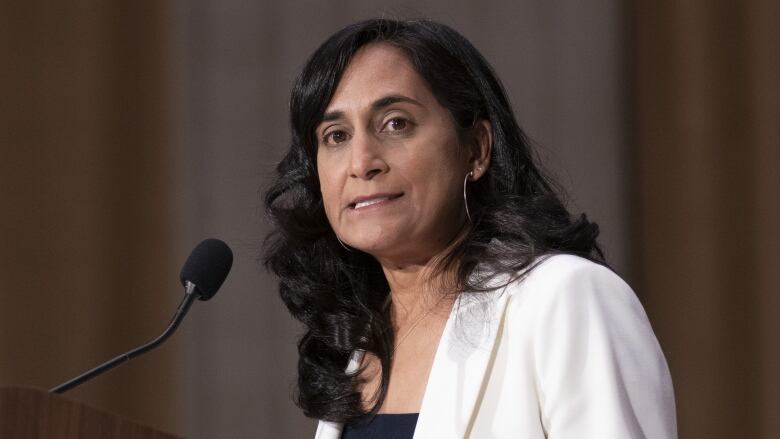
335,137
396,124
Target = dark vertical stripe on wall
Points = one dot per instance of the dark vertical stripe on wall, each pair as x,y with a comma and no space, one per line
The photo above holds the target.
705,105
85,259
763,61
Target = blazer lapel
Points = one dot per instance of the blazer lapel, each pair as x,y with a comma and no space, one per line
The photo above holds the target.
459,368
332,430
328,430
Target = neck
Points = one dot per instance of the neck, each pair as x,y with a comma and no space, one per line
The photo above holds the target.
417,288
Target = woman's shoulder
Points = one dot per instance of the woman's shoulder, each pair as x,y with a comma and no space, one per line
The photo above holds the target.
568,282
589,341
561,270
565,287
560,267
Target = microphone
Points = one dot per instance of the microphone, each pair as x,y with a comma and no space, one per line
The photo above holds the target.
202,274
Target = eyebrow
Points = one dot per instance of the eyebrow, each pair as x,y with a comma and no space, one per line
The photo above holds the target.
376,105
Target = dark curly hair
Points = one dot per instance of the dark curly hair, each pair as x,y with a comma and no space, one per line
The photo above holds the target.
339,295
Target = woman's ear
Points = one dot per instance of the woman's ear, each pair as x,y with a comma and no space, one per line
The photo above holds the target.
482,144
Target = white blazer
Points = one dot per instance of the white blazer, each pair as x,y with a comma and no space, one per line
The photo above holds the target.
565,353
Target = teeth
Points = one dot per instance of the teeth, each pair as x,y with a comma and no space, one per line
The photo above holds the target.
370,202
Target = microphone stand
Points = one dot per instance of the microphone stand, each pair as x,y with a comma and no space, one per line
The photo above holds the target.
184,306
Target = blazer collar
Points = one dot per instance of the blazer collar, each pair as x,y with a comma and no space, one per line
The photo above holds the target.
461,365
328,430
459,369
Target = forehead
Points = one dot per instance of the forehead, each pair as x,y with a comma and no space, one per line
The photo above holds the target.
375,71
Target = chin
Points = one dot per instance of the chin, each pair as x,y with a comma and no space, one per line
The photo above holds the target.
398,252
379,242
375,246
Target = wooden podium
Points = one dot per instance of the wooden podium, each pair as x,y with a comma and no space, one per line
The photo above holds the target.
36,414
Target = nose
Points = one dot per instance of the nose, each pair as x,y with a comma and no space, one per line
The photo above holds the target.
367,159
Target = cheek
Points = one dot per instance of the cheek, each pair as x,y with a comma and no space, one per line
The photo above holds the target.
440,175
438,192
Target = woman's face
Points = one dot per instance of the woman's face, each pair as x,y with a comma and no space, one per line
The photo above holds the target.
390,165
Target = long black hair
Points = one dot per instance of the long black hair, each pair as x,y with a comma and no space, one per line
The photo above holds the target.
339,295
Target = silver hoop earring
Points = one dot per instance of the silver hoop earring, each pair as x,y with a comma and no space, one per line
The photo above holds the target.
465,198
342,244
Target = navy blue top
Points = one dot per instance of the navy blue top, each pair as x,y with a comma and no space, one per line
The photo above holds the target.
382,426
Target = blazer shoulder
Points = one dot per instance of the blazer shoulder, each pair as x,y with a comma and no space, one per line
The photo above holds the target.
572,280
564,266
595,359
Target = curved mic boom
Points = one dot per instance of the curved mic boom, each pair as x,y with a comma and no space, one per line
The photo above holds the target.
202,274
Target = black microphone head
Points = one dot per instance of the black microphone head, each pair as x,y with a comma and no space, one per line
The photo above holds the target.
207,267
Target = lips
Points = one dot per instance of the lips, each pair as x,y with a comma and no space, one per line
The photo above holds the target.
370,200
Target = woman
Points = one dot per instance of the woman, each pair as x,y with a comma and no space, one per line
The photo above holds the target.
445,289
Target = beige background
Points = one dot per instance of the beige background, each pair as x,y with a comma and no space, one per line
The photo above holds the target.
131,130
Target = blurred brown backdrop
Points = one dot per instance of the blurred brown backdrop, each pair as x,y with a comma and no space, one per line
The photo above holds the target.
86,224
706,206
130,130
